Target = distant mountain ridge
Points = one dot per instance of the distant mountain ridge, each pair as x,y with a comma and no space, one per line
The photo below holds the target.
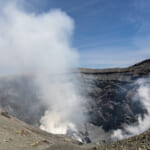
107,70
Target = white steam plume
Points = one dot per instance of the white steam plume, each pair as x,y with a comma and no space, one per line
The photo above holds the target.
64,105
39,43
143,94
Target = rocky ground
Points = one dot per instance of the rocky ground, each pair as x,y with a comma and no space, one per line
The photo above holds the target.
17,135
140,142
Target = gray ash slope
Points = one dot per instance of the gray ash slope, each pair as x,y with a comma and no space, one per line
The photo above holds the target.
108,94
17,135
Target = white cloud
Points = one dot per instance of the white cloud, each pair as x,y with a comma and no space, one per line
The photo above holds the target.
34,42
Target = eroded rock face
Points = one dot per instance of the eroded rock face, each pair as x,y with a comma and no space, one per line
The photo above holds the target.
108,94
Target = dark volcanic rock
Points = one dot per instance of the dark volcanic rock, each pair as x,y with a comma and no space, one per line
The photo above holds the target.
110,94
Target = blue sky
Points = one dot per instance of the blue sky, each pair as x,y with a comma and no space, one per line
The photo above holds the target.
108,33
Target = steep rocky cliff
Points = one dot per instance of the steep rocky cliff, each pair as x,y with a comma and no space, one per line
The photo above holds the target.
110,93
